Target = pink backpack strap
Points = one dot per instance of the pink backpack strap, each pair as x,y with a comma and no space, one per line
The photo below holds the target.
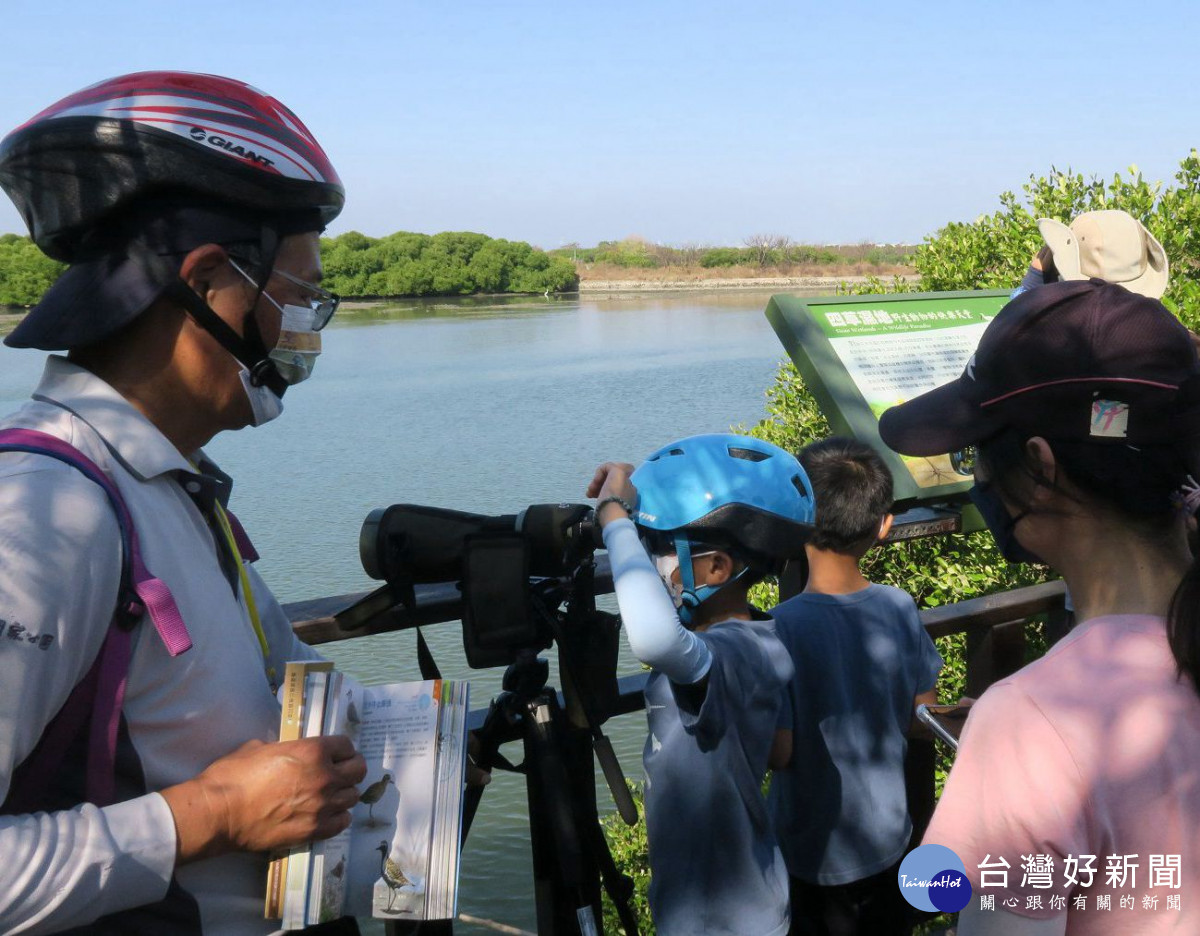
102,690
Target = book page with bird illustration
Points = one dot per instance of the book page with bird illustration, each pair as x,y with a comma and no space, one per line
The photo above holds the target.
413,738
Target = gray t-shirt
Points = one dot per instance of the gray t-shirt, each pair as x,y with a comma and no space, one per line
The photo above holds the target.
839,807
714,864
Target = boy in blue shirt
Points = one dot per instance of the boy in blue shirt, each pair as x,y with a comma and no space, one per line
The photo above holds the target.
717,512
862,663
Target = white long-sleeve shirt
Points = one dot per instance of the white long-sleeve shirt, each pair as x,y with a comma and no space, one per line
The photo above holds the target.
60,560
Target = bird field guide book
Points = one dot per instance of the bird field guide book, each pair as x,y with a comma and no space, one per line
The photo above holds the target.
398,860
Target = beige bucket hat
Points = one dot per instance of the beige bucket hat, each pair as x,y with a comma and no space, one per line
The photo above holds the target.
1110,245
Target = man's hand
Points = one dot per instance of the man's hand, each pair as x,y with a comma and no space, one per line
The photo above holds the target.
266,796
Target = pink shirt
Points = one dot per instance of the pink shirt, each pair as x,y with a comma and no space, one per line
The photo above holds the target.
1092,750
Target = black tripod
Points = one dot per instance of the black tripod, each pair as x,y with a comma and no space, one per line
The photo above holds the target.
561,744
570,853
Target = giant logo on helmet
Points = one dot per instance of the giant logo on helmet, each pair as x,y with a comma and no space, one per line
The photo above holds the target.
201,135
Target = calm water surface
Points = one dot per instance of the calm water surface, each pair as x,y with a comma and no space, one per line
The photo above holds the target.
484,406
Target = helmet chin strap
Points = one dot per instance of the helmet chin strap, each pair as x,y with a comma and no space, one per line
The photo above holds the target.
694,596
248,349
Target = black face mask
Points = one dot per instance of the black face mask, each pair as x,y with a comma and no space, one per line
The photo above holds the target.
1001,523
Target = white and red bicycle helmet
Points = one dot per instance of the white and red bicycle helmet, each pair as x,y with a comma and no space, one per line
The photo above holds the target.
122,176
96,151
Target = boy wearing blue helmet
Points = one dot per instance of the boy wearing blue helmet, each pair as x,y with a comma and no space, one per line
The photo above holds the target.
717,512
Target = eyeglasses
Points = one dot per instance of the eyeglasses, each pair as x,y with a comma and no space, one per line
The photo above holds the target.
322,302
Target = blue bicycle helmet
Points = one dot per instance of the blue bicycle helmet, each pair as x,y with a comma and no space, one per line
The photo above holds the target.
734,492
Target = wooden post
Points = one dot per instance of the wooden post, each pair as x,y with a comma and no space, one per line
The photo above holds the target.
993,653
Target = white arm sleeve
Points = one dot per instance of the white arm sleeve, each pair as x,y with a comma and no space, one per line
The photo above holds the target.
656,636
60,561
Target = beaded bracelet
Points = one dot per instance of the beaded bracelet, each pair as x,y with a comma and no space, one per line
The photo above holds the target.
625,505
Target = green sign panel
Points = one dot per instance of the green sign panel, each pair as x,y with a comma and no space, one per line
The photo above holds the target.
860,355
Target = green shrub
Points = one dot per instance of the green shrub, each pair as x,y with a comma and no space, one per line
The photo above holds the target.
721,257
825,256
633,252
628,847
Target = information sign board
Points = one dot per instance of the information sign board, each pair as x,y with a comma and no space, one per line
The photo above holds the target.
860,355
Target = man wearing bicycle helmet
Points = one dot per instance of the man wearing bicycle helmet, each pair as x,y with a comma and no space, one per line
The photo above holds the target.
188,208
718,512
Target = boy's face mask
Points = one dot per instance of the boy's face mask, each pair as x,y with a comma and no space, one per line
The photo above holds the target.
667,566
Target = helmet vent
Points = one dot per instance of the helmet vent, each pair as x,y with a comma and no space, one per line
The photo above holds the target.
799,485
675,451
748,454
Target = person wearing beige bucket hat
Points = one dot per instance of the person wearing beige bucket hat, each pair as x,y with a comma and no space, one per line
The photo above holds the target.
1111,245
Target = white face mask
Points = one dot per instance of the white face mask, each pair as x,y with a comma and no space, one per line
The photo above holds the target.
263,402
667,566
299,345
295,354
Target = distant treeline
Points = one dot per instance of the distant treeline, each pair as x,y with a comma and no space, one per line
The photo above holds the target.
761,250
401,264
461,263
447,264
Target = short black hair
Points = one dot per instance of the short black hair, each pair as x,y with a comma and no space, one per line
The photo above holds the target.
853,490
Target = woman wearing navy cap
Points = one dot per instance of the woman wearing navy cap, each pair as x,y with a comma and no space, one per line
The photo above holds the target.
1074,801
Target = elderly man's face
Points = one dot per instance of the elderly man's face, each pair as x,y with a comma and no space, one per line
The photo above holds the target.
212,372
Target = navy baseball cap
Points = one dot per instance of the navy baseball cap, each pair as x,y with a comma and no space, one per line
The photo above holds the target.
1080,360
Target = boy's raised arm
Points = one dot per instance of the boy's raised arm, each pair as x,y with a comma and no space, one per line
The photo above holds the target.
652,625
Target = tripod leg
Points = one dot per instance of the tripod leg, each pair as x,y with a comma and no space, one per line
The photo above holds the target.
560,778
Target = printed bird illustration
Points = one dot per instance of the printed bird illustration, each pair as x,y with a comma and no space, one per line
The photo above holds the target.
339,869
391,874
352,712
372,795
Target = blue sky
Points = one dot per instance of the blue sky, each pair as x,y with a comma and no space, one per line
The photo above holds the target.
679,122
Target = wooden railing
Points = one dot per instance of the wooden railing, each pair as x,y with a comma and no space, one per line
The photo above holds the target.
995,627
